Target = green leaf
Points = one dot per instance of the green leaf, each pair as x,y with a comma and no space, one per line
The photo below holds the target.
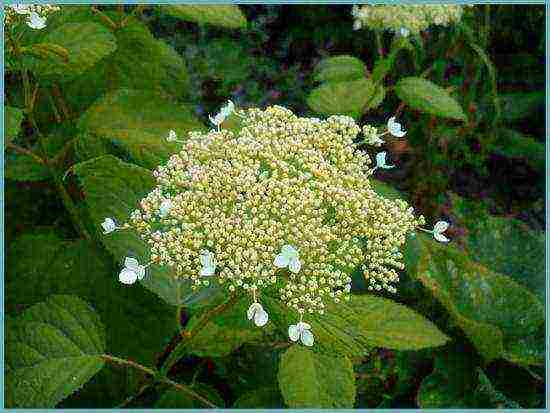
496,398
493,310
520,105
338,68
311,380
12,118
453,382
385,190
113,188
224,333
21,167
139,121
53,349
88,146
353,328
86,43
513,144
346,98
262,398
425,96
226,15
41,265
176,399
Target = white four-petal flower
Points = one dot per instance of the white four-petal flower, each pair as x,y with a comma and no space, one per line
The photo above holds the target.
108,225
395,128
439,228
34,21
301,331
165,207
224,112
257,312
208,263
132,271
381,161
288,258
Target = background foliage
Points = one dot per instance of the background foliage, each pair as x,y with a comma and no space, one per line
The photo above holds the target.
88,102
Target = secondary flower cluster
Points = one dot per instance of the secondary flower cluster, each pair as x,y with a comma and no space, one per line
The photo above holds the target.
281,203
405,18
35,15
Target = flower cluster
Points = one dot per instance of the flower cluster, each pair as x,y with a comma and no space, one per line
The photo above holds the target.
35,15
405,18
282,203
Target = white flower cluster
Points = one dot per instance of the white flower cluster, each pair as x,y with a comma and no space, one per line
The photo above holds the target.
405,18
35,15
283,204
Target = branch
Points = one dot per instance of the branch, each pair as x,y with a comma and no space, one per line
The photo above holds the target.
181,387
26,152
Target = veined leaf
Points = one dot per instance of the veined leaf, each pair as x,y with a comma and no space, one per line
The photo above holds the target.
339,68
311,380
425,96
53,349
492,309
228,16
346,98
262,398
139,121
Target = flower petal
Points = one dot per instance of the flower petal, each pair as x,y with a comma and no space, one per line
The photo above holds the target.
131,263
261,317
281,261
293,332
440,237
140,272
441,226
127,276
307,338
208,270
254,307
381,159
294,265
303,326
289,250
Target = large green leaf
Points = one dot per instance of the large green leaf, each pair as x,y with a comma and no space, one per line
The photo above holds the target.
513,144
520,105
139,121
225,332
113,188
262,398
41,265
493,310
423,95
350,98
22,167
338,68
86,43
53,349
353,328
12,123
311,380
224,15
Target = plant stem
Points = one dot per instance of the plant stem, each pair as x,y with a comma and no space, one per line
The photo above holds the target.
178,351
378,36
24,151
181,387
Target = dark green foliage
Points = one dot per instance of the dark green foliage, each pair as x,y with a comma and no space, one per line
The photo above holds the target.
89,102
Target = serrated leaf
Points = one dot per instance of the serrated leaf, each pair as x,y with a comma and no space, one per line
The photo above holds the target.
311,380
139,121
53,350
86,44
492,309
12,121
176,399
41,265
425,96
113,188
344,98
227,16
339,68
262,398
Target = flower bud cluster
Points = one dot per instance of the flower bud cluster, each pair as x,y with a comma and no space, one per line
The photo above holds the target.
284,203
405,18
